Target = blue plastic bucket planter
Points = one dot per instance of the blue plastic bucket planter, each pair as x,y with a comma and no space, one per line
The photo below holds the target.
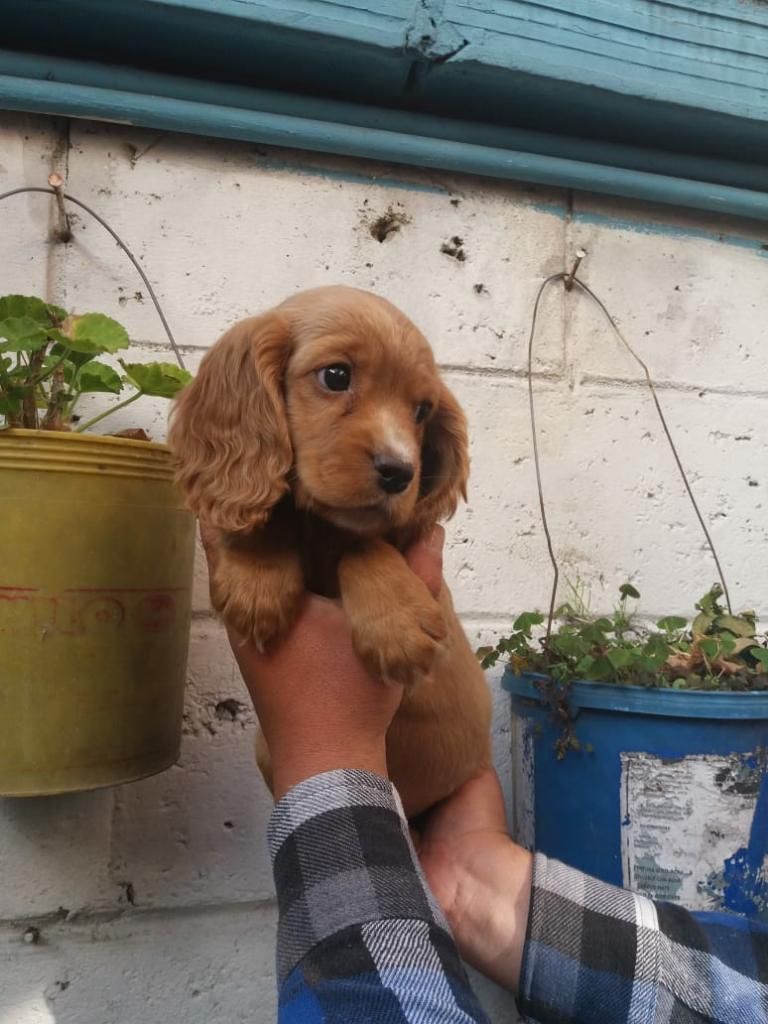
667,795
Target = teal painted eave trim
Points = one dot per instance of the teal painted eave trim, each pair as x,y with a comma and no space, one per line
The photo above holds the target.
171,113
738,174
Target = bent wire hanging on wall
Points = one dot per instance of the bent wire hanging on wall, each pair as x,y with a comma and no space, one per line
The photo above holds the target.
570,279
61,197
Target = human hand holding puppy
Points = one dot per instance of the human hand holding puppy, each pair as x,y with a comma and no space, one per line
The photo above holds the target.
320,711
317,706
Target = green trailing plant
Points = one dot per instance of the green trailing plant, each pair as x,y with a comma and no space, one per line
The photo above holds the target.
49,360
713,651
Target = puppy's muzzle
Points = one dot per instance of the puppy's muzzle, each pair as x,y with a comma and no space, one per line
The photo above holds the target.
394,474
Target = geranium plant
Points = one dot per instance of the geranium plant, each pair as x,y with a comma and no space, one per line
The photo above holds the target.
49,360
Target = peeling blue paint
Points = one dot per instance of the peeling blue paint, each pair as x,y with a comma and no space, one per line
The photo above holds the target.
745,885
430,35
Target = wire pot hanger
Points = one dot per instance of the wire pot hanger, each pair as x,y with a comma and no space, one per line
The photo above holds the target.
570,280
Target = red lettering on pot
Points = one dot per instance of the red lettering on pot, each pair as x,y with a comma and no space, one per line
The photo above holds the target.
156,612
102,613
75,612
16,609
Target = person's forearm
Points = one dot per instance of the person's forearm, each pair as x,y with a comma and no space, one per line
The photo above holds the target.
360,935
294,762
490,911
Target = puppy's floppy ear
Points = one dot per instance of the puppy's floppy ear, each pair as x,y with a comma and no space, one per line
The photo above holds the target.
229,430
444,462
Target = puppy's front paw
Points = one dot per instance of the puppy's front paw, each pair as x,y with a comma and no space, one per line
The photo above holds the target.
399,639
259,602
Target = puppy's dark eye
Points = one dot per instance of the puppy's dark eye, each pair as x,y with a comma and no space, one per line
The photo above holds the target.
336,377
423,409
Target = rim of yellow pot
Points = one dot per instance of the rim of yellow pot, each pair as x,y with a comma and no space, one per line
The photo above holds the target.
62,451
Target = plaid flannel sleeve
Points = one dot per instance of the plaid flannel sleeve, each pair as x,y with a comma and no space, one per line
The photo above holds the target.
360,936
595,953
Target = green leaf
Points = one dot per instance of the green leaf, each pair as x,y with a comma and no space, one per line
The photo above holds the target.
21,334
739,645
10,405
52,362
627,590
160,380
585,666
603,670
16,306
78,359
620,658
489,660
727,642
761,655
525,621
702,623
672,623
709,646
94,333
709,604
99,377
656,650
57,314
594,634
735,625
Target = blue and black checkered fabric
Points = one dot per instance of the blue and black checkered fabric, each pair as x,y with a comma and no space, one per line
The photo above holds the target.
598,953
361,939
360,936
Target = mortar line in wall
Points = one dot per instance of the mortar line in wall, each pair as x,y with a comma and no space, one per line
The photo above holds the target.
205,615
485,618
455,368
88,918
499,372
553,376
669,385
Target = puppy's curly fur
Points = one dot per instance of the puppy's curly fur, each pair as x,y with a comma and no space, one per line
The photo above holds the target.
319,441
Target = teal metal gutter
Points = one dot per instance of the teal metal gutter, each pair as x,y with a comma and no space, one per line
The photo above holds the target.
39,84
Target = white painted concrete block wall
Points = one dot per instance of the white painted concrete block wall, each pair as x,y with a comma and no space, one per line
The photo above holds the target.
154,901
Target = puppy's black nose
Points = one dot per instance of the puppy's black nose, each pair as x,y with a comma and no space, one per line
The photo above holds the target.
394,475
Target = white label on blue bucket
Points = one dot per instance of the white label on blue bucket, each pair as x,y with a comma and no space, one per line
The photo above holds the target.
685,824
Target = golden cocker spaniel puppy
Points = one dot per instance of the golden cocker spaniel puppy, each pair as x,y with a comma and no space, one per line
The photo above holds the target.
319,441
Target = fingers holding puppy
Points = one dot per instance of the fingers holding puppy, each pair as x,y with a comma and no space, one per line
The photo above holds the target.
425,558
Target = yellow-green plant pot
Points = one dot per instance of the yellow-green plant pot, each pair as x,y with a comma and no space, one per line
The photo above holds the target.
96,553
